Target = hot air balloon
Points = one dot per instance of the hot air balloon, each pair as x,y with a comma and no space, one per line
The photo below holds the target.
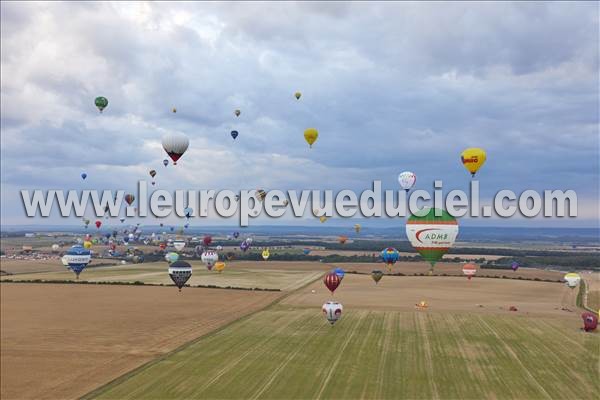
469,270
101,103
236,235
590,321
219,248
389,256
87,244
162,246
207,240
376,274
260,194
342,239
322,218
266,254
209,258
179,245
234,134
357,228
473,158
152,174
83,175
244,246
230,256
219,266
237,113
129,199
306,251
77,258
297,95
86,222
311,135
171,257
249,240
174,110
340,273
180,272
165,162
332,311
175,144
572,279
122,219
332,281
55,248
188,212
98,224
514,266
430,235
407,180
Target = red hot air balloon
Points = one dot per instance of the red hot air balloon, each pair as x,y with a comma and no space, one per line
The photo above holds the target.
207,240
98,224
129,198
332,281
590,321
469,270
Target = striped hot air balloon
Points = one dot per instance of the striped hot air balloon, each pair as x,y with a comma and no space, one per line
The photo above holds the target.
332,281
469,270
432,236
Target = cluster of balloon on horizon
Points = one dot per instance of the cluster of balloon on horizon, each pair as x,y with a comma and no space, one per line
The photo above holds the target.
431,232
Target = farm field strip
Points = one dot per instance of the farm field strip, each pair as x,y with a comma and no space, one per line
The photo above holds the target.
286,352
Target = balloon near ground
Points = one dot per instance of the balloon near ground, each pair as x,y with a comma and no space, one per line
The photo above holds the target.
219,266
332,281
266,254
311,135
179,245
340,273
572,279
175,144
332,311
473,158
469,270
77,258
514,266
430,235
590,321
171,257
376,275
180,272
209,258
389,256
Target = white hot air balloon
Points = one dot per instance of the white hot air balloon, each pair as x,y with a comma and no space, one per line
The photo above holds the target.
407,180
179,245
55,248
209,258
332,311
175,144
572,279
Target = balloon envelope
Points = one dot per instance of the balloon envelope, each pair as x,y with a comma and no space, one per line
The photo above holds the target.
331,281
234,134
311,135
101,103
332,311
77,258
407,180
432,236
473,158
376,274
469,270
180,272
209,258
175,144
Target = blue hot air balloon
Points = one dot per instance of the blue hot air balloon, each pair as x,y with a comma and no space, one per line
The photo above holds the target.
390,256
306,251
339,272
77,258
234,134
236,234
165,162
244,246
83,175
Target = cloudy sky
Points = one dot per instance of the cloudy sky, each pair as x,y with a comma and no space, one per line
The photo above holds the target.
390,86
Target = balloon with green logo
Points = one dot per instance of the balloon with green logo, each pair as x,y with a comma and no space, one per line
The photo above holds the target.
101,103
432,235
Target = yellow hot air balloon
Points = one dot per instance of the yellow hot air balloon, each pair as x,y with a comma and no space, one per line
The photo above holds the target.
473,158
87,244
266,254
219,266
323,219
174,110
357,228
297,95
311,135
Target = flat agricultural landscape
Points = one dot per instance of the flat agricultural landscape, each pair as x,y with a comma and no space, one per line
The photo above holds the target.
61,341
292,353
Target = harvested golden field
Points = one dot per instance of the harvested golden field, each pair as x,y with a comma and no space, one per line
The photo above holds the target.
62,341
31,266
250,275
480,295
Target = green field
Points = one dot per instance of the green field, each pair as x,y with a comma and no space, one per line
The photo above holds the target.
287,352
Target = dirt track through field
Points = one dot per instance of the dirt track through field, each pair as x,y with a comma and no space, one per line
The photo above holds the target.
62,341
